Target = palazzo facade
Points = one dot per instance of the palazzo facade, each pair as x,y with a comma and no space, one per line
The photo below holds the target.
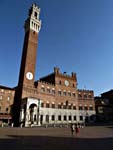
53,99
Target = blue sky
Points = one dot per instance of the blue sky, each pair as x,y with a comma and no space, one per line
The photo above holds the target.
76,36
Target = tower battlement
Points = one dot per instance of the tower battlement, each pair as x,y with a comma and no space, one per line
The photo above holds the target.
33,22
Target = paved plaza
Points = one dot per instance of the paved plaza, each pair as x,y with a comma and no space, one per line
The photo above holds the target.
89,138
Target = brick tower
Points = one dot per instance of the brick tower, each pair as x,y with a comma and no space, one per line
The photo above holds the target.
28,62
27,69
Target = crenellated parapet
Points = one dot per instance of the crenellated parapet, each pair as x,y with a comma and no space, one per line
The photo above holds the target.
50,78
46,83
85,91
43,83
64,74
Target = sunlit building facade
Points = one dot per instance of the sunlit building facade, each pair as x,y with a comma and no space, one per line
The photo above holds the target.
53,99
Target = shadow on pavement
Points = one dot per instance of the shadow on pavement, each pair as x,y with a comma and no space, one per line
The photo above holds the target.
54,143
110,127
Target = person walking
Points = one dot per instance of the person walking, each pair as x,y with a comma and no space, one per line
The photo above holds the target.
72,129
77,130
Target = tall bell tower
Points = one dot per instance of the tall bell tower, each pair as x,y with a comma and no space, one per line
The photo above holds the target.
32,27
28,62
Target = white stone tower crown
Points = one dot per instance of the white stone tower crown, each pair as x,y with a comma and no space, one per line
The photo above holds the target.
33,21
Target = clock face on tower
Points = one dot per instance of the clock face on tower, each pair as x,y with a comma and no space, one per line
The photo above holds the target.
29,75
66,82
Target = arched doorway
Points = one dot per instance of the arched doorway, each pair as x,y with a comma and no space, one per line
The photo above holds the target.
33,112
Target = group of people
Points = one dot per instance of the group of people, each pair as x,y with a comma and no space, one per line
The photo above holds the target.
75,129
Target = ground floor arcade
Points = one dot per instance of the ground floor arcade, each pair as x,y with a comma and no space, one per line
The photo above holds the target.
33,114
